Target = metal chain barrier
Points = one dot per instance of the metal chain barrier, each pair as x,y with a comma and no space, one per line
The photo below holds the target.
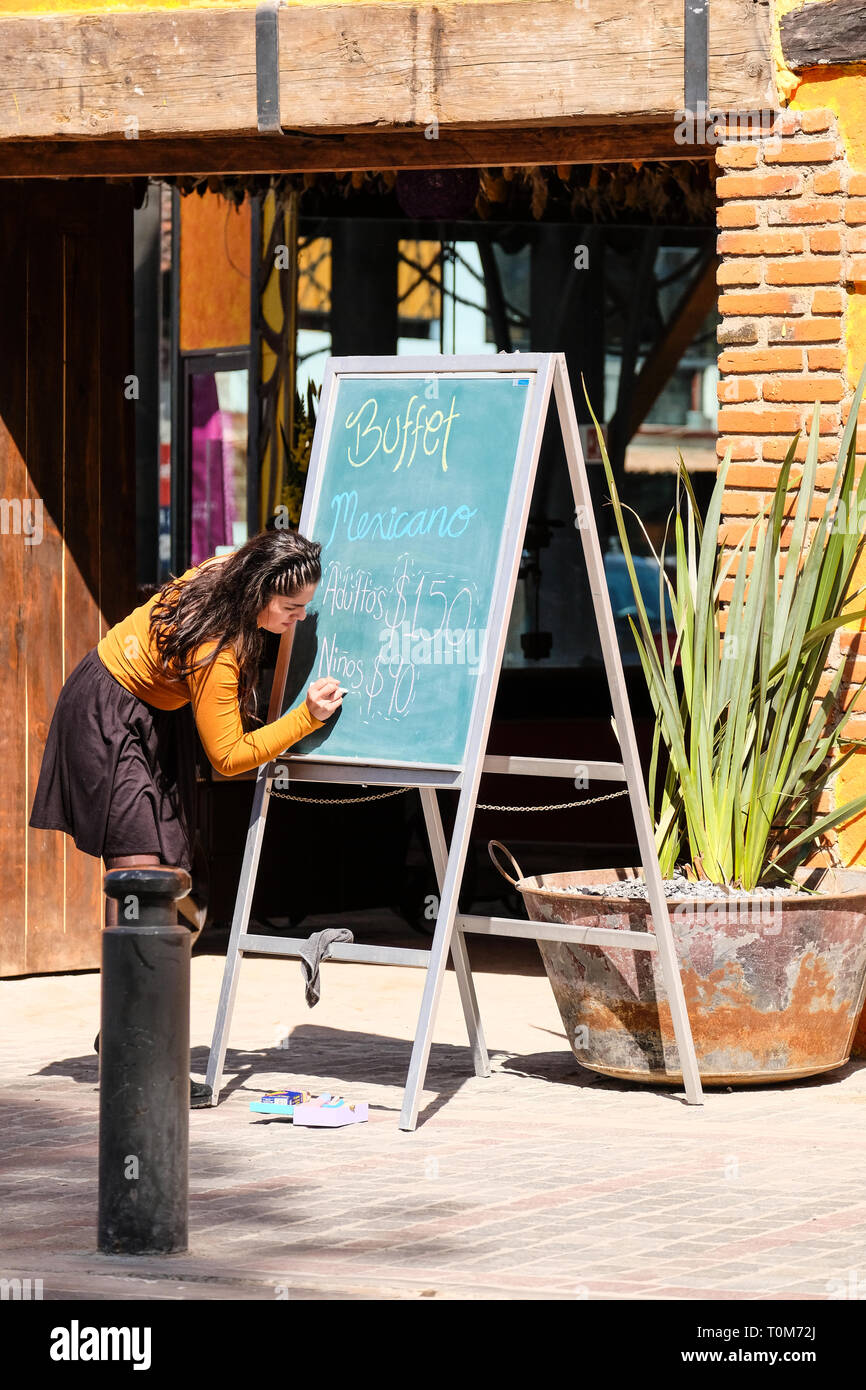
481,806
557,805
339,800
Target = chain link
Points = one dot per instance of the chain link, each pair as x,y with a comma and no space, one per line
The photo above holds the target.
339,800
557,805
481,806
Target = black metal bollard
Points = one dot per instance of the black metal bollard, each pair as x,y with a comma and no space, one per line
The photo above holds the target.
144,1066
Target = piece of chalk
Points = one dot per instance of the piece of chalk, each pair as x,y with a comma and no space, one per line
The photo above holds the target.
341,692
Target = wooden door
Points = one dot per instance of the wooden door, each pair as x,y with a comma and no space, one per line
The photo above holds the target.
67,477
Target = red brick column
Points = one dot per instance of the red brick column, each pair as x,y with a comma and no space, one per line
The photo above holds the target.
792,237
791,233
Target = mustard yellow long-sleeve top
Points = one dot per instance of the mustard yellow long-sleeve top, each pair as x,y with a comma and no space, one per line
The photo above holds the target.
129,653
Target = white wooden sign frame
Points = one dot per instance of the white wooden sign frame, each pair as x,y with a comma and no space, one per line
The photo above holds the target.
547,372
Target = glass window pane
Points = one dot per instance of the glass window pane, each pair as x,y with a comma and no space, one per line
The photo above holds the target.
218,462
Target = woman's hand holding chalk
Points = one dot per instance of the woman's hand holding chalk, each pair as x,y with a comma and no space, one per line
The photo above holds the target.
324,697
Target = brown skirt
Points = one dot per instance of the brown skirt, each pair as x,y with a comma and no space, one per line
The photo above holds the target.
117,774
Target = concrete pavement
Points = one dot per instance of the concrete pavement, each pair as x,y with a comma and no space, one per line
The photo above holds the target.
541,1181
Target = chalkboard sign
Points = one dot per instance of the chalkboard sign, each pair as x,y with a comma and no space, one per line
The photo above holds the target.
419,491
412,478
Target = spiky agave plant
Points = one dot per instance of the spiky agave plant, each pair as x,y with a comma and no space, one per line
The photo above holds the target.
296,456
750,738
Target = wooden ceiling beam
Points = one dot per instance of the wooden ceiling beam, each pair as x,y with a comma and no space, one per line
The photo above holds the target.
696,302
833,33
276,154
370,66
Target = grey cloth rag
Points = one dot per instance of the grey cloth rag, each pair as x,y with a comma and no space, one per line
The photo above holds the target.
313,952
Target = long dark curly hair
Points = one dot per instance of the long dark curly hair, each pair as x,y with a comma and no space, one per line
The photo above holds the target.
222,602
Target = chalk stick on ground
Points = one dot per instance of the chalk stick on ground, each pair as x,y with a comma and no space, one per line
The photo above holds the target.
283,1108
330,1116
319,1112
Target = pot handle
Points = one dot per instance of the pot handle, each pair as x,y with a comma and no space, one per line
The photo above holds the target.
497,844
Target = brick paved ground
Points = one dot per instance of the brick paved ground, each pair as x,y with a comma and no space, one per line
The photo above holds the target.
541,1181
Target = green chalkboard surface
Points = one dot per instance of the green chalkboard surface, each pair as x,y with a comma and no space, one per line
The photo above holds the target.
409,489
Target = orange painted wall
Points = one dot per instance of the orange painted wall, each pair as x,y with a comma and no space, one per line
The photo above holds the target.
214,273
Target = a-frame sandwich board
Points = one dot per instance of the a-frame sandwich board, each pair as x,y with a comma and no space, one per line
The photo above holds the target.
334,760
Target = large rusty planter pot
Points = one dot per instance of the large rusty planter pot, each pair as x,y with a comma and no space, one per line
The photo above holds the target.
774,990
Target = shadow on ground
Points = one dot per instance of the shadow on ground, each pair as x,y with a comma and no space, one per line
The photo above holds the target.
242,1224
356,1061
352,1061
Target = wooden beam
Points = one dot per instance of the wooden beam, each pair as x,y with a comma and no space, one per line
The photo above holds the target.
819,35
496,306
509,61
284,154
686,319
642,290
370,67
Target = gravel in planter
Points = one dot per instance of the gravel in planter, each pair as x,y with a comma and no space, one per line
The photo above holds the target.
677,887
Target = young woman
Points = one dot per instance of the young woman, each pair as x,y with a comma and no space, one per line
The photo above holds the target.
117,772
